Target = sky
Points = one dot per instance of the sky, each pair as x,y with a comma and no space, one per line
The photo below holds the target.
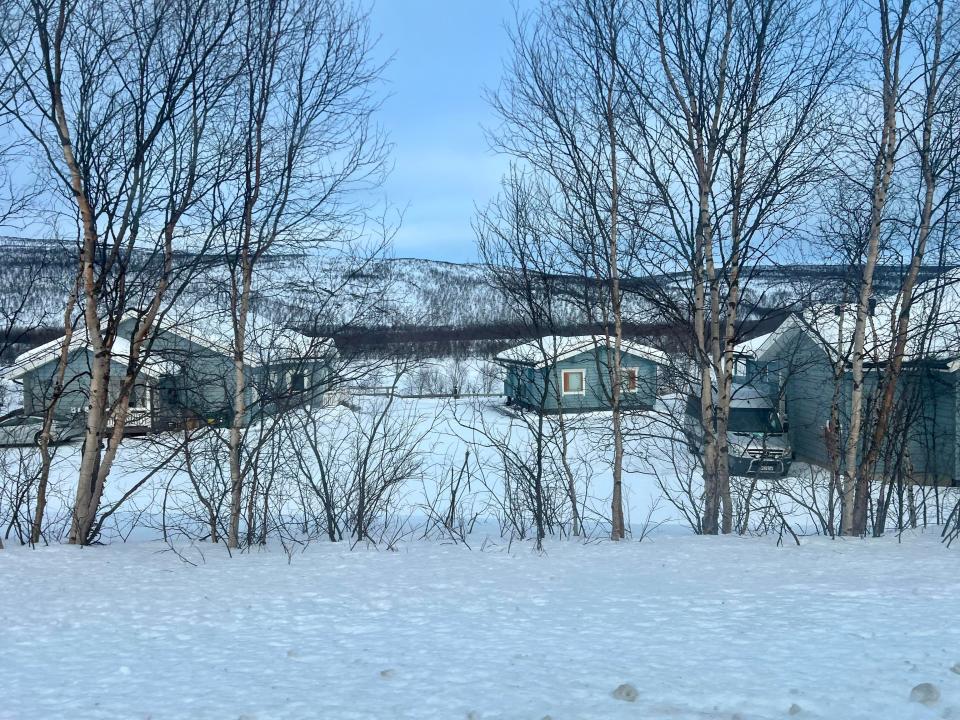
442,55
445,52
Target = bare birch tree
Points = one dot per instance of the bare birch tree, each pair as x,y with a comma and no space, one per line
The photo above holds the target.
115,100
892,22
561,107
524,261
930,111
304,129
900,210
731,115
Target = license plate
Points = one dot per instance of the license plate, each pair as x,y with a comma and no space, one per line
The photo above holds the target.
769,466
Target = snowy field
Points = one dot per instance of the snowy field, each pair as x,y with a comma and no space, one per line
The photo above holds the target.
441,430
676,626
701,628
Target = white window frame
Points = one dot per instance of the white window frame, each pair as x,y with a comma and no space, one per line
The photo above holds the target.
583,382
626,380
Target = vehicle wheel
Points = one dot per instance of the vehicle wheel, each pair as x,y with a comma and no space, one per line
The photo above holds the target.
38,436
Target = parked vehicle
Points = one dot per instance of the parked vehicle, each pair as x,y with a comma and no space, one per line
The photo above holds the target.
20,429
756,433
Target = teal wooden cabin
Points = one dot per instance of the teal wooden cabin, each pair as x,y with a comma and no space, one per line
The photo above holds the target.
799,361
556,374
187,375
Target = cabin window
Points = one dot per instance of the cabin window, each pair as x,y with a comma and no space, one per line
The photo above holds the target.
741,367
139,397
298,382
170,394
631,379
573,382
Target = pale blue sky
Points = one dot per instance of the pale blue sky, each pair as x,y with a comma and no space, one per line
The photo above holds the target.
445,52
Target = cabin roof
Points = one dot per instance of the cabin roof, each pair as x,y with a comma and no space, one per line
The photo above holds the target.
751,347
932,335
37,357
552,349
266,343
832,329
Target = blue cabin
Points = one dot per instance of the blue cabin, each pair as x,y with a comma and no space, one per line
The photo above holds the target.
802,359
187,373
556,374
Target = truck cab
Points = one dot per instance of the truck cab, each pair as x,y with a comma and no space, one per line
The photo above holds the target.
757,440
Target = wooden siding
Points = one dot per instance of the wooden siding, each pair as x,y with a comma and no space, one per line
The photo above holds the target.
926,397
928,407
38,385
805,375
542,388
201,385
204,380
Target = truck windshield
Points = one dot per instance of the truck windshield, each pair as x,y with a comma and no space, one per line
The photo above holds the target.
754,420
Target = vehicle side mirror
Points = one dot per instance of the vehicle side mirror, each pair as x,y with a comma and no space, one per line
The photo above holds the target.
785,425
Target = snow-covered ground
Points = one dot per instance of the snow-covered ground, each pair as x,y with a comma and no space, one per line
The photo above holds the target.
688,627
661,478
431,376
701,628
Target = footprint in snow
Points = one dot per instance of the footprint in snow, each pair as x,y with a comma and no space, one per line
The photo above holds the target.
626,692
925,693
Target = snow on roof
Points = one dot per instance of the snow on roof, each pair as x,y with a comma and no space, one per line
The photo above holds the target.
933,332
752,346
266,343
39,355
554,348
152,367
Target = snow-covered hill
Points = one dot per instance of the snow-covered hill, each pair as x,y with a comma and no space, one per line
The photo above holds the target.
343,290
401,291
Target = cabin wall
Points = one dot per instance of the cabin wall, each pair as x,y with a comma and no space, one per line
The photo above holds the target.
204,380
529,387
806,377
542,389
287,385
524,385
38,385
511,381
956,425
927,407
201,384
206,383
927,403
